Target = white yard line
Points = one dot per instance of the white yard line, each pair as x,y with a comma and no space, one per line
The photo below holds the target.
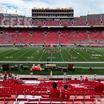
79,55
69,54
61,54
41,55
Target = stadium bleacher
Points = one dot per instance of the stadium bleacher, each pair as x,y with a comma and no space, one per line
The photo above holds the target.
15,29
43,36
84,90
79,91
15,20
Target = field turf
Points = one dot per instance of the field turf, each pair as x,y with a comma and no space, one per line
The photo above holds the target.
59,54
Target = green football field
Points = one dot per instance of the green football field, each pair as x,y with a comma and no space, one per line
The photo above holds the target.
53,54
57,54
61,55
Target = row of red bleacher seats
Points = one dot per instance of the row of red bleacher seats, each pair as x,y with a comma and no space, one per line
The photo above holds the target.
26,36
88,20
84,88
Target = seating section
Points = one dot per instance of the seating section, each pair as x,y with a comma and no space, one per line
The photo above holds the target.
89,20
51,36
79,91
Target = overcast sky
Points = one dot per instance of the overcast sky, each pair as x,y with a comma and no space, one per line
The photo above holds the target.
81,7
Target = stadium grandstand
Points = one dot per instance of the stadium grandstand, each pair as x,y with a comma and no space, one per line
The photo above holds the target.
51,57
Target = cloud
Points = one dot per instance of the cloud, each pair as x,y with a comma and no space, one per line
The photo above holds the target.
81,7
